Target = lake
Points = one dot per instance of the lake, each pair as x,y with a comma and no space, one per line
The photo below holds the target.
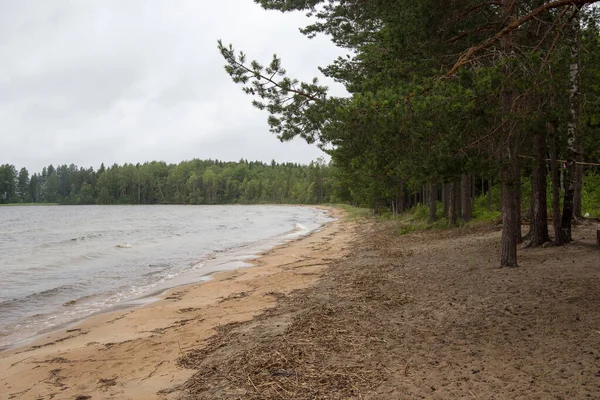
61,264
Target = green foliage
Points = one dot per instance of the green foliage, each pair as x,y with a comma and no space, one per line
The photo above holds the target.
590,202
8,184
189,182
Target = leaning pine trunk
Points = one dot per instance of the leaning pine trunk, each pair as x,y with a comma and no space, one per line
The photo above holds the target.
538,232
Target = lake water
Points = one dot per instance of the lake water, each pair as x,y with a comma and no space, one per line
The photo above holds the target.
60,264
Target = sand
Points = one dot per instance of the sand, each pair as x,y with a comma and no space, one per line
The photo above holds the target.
356,311
133,354
429,315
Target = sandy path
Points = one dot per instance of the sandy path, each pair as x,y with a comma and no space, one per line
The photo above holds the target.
133,354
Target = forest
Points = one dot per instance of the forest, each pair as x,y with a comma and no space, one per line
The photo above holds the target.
189,182
445,97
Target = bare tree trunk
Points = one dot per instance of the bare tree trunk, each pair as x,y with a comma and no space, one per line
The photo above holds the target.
510,212
519,211
473,193
538,229
432,202
572,134
452,203
445,198
490,193
509,161
577,213
466,197
458,195
401,206
556,220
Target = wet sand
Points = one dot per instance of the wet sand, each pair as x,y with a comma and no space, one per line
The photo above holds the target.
133,353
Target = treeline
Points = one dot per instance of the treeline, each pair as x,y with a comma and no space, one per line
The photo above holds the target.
444,93
189,182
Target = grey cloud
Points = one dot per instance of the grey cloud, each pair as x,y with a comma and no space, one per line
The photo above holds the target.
109,81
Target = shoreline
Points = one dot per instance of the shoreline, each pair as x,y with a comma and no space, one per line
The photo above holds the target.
58,364
202,270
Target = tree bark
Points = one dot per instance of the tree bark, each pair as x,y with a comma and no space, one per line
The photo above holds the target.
519,211
556,219
577,213
432,202
510,212
509,161
445,198
402,202
458,198
490,194
466,197
452,203
538,228
572,134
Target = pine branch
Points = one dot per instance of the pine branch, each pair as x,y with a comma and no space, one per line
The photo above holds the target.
465,58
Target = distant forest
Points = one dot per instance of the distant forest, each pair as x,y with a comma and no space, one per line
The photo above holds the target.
189,182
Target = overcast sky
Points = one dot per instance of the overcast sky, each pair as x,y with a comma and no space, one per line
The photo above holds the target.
88,81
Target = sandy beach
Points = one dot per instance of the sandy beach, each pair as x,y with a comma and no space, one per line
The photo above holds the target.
132,354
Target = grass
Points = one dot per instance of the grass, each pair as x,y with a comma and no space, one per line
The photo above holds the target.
417,218
353,213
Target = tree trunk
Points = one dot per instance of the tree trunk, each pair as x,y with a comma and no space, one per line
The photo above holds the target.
452,206
572,134
445,198
510,212
578,183
519,211
538,228
402,205
432,202
473,193
466,197
509,161
556,220
458,198
490,193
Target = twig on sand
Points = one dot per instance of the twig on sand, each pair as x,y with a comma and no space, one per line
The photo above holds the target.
252,383
155,369
20,361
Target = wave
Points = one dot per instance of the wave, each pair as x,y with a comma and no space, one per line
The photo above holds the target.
86,237
300,228
38,297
